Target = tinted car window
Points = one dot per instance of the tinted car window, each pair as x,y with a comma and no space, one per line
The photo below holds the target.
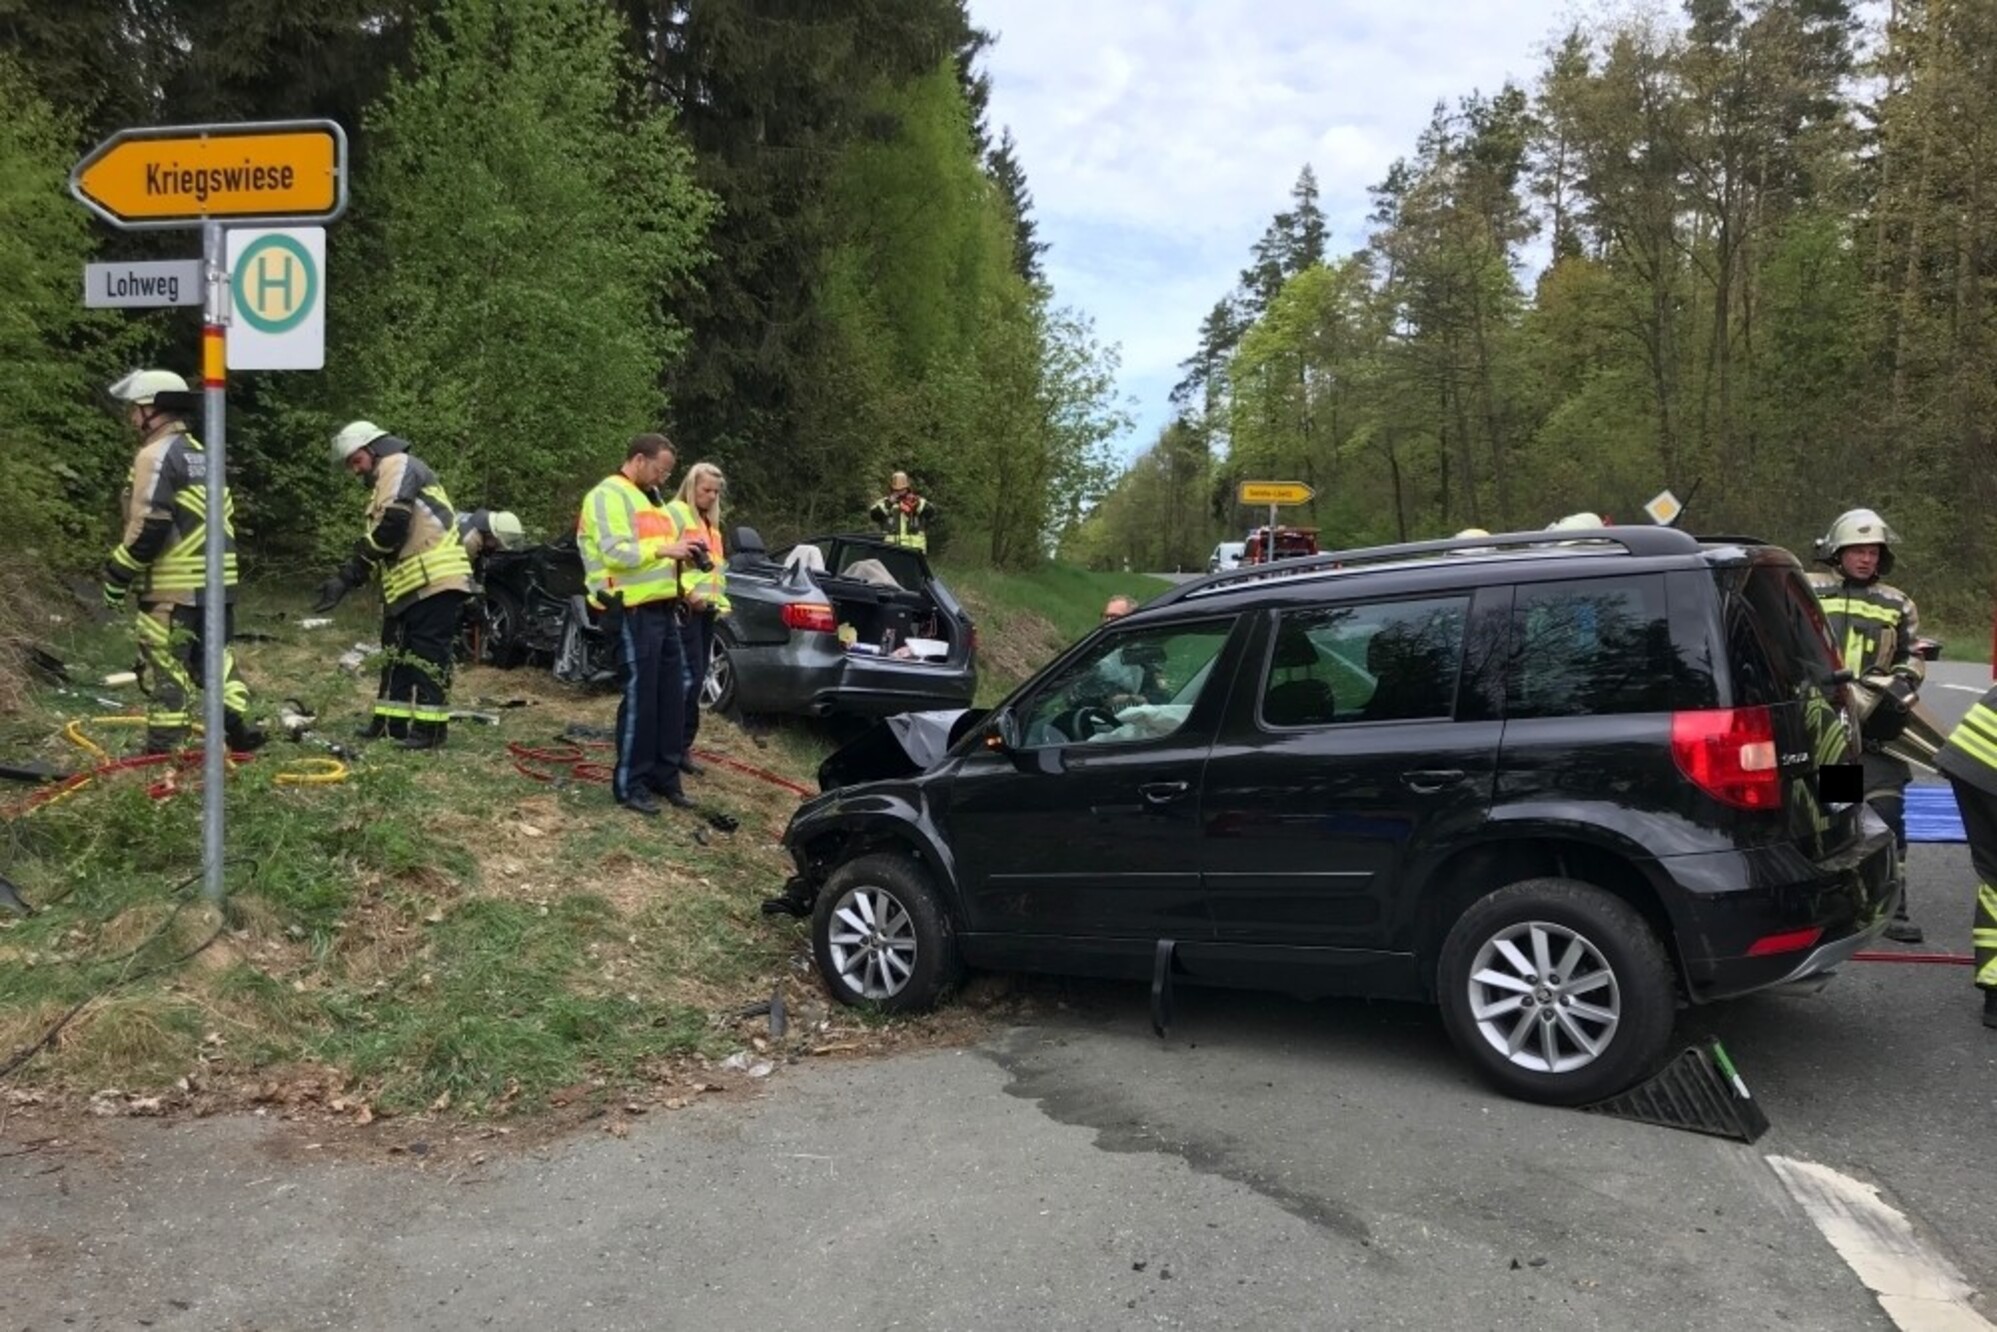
1139,684
1392,661
1598,645
1777,636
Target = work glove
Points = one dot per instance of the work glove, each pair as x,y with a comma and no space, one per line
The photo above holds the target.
331,592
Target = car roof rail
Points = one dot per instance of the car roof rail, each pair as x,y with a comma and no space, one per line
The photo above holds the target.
1634,540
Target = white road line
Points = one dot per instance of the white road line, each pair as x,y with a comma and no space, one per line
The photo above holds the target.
1967,689
1920,1290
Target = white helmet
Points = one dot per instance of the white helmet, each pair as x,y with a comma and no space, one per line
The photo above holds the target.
1578,522
507,531
141,386
353,437
1858,527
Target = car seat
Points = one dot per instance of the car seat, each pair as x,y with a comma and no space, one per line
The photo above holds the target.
1297,700
1408,680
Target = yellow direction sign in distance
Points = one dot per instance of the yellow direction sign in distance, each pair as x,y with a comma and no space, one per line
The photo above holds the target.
183,175
1275,492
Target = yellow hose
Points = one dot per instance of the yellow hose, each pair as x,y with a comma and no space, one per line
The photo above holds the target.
293,772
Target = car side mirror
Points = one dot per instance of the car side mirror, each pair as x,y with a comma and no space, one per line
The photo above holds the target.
1002,732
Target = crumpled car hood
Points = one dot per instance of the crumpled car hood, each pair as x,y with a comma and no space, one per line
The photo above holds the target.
899,746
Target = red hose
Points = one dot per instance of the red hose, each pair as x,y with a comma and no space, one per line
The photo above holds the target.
1929,959
570,755
159,790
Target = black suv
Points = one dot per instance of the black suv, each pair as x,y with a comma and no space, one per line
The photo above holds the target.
1556,787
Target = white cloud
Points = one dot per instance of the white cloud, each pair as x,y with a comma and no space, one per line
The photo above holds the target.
1159,136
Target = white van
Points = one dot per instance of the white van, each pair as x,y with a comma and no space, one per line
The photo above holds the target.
1227,555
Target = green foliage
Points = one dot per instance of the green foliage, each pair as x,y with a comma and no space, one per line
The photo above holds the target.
64,448
520,227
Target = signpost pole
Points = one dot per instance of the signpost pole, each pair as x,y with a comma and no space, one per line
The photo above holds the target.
215,608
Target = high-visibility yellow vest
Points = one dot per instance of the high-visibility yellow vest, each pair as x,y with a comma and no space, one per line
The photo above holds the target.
621,532
1971,751
169,479
430,559
710,585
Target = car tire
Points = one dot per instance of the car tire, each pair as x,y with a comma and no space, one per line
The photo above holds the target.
717,685
882,936
1500,973
501,622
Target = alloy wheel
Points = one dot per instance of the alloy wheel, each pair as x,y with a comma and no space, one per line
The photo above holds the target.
1544,997
872,942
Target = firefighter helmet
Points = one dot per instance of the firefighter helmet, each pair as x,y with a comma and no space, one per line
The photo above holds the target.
353,437
1858,527
141,387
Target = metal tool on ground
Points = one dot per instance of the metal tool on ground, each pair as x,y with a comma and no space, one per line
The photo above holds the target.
1699,1091
10,898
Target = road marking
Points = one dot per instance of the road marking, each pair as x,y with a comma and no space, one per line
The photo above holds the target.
1967,689
1920,1290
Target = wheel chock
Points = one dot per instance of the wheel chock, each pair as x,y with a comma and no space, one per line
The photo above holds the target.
1698,1091
1161,987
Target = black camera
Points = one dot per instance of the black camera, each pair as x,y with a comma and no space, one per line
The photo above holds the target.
697,554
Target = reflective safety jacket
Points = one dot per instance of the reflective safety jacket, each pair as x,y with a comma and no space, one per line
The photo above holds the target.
1971,752
621,533
906,516
412,538
1860,614
162,555
711,586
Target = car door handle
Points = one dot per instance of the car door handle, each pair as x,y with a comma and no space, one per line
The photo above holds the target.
1427,781
1162,793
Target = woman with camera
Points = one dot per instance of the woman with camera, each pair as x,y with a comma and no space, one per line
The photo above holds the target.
703,585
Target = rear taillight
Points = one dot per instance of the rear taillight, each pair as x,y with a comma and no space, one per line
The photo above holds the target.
814,617
971,642
1729,753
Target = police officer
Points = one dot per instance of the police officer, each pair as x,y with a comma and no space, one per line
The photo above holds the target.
412,544
905,515
1874,625
696,515
1969,761
631,552
160,562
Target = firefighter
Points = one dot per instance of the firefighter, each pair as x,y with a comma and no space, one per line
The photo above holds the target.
484,531
696,515
1874,625
631,554
904,515
1969,761
412,546
160,562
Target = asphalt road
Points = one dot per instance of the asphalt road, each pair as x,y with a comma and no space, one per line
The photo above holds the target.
1273,1164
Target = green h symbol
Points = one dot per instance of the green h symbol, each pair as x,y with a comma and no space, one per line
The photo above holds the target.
266,283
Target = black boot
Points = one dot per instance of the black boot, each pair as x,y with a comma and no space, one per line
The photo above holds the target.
425,735
243,738
374,729
1990,1008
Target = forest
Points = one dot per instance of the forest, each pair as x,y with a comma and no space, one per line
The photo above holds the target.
782,229
1744,251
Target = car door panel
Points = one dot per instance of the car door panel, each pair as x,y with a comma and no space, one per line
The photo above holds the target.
1092,839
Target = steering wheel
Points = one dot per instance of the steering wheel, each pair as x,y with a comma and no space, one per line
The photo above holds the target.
1085,722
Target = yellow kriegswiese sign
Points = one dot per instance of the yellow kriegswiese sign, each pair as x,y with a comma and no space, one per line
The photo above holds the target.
183,175
1275,492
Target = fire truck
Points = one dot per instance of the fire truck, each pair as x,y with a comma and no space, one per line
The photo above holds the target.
1289,544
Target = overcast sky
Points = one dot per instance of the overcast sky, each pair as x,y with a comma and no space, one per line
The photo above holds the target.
1160,136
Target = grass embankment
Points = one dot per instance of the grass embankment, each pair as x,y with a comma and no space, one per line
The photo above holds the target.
1025,619
436,930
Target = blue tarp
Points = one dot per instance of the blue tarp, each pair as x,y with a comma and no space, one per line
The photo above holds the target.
1932,815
